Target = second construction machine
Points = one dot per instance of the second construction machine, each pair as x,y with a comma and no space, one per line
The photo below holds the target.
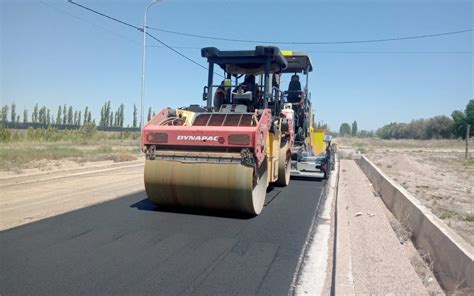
224,155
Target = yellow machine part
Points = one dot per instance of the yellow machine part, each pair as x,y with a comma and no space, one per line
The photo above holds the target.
205,185
317,140
272,150
188,115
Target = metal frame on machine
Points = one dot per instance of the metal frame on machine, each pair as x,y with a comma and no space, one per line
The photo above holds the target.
299,62
263,60
305,163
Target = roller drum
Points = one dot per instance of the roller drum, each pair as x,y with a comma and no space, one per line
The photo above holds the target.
219,186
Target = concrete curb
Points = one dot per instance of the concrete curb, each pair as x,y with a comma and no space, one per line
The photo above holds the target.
452,257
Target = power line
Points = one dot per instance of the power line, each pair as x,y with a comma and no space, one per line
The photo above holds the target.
141,30
173,48
62,11
347,52
104,15
311,42
179,53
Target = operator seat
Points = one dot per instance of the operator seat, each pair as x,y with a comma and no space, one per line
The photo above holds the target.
246,93
294,89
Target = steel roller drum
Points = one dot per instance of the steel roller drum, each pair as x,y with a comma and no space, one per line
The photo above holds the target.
204,185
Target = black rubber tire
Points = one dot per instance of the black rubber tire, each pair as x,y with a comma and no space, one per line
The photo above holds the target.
284,167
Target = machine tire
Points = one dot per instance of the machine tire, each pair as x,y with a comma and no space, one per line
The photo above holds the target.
259,192
284,167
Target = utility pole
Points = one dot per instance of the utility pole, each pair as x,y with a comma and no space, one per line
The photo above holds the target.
143,61
468,129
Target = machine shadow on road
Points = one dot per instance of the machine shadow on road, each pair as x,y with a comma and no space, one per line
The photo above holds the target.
147,205
272,193
313,179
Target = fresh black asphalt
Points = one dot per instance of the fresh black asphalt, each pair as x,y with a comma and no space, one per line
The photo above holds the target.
128,246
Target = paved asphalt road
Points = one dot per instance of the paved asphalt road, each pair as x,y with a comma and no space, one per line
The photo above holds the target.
129,247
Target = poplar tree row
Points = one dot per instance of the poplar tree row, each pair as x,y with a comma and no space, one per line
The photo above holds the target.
43,115
66,115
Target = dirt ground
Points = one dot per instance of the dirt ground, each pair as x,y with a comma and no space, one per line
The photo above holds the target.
67,186
434,171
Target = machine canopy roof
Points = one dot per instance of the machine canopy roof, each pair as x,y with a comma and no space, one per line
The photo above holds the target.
247,61
297,62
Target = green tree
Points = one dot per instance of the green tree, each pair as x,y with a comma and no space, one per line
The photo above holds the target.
75,118
439,127
42,115
79,118
58,115
34,117
109,114
116,118
469,112
64,114
39,118
111,118
85,115
134,122
70,115
4,115
459,124
105,114
13,112
25,116
354,128
89,115
149,114
345,129
121,112
48,116
385,132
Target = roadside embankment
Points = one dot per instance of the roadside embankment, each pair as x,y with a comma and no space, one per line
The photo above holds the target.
451,256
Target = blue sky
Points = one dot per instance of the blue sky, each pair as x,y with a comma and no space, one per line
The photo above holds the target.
55,53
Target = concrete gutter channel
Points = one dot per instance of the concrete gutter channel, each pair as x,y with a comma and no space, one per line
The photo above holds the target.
325,269
452,257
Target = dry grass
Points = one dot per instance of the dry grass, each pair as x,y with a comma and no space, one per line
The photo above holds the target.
402,232
421,261
16,157
423,267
